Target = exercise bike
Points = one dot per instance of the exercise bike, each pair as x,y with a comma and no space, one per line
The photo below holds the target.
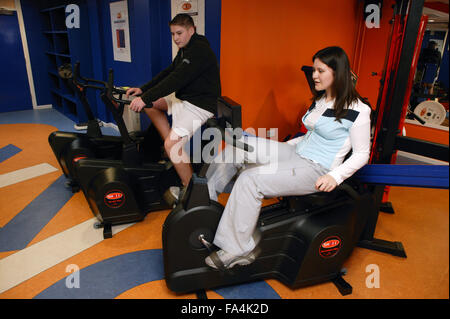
124,190
70,147
304,239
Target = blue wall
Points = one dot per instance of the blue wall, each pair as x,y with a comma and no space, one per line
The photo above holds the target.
213,14
14,88
150,42
34,26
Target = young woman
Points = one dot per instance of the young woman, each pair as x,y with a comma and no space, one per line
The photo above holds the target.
337,122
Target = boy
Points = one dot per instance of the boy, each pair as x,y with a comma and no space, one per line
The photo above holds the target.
194,77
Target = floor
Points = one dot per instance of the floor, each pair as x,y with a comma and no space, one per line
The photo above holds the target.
47,234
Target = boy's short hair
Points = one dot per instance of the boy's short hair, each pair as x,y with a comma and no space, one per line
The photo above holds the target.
182,19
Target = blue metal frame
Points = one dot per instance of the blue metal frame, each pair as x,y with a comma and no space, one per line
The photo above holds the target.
431,176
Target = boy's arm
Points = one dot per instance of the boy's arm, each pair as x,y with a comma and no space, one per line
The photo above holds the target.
158,78
185,72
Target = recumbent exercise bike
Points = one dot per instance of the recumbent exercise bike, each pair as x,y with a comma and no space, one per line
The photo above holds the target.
122,190
70,147
304,239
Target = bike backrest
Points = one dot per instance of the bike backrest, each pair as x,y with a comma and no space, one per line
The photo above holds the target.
229,113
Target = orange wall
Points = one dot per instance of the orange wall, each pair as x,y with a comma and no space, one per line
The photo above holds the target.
265,43
425,133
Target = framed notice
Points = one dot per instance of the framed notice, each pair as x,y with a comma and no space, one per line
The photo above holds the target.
120,31
187,6
196,9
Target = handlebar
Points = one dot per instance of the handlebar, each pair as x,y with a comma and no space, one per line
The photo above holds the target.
232,140
77,77
349,190
107,87
111,89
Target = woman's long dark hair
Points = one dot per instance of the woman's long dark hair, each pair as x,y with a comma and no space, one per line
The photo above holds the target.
342,88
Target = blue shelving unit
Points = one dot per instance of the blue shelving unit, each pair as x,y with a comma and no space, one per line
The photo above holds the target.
58,53
61,46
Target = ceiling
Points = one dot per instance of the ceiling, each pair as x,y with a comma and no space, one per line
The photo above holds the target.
437,20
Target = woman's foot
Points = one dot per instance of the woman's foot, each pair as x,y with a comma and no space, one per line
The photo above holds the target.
223,260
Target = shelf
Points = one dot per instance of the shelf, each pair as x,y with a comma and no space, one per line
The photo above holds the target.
55,32
59,54
53,72
66,96
57,48
53,8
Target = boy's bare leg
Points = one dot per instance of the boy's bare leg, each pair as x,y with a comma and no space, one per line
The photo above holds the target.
157,115
174,146
173,143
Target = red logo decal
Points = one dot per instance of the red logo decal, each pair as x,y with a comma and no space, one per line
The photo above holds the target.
186,6
114,198
330,247
331,243
111,196
76,159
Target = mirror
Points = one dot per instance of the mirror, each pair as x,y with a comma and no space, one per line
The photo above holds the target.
429,103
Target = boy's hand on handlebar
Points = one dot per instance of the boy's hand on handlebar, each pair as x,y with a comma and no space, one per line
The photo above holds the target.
326,183
137,104
133,91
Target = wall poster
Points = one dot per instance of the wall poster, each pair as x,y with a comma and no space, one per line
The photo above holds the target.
120,31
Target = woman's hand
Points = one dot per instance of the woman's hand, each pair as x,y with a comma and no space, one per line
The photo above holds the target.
326,183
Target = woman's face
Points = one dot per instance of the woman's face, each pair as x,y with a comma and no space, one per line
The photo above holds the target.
323,76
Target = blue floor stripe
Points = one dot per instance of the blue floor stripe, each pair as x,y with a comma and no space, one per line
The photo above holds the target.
8,151
29,222
111,277
47,116
254,290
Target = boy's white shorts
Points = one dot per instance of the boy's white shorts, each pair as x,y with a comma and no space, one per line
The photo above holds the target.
186,117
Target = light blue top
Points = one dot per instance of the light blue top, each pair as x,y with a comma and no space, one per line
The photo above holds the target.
328,141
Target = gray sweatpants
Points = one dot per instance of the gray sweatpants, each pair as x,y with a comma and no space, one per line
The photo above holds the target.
273,169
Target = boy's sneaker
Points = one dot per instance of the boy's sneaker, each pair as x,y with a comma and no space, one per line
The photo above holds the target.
84,125
172,195
81,126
